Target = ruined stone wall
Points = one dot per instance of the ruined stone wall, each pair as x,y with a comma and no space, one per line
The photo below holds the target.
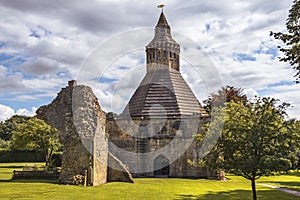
76,113
117,171
171,142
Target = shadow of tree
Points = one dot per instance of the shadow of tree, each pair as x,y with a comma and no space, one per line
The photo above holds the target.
239,194
289,183
54,181
294,173
12,166
293,185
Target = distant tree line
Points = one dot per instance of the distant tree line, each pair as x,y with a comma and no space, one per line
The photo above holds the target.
23,133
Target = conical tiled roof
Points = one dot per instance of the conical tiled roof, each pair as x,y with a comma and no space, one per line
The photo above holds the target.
163,92
162,22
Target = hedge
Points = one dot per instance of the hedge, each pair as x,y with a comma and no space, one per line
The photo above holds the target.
26,156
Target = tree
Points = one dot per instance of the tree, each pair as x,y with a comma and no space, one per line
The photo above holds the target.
291,39
255,139
9,125
293,142
225,94
36,135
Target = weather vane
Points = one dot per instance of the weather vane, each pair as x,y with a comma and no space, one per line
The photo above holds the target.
161,6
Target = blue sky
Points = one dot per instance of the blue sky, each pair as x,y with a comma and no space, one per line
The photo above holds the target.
43,44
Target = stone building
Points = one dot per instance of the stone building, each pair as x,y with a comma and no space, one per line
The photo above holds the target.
153,136
81,123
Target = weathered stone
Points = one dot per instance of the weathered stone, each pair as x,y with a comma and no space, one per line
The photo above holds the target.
176,146
117,171
76,113
81,123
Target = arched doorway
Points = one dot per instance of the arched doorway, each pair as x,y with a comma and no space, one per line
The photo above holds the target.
161,166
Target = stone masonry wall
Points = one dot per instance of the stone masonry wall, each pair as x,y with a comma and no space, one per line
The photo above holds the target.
76,113
161,141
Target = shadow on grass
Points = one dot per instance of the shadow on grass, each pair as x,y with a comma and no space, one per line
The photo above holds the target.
289,183
54,181
237,194
292,185
12,166
234,194
294,173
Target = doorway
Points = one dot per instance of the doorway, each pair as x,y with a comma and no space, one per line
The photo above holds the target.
161,166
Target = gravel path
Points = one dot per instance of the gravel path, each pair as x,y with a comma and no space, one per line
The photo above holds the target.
293,192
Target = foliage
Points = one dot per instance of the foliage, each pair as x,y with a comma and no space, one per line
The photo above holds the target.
20,156
4,144
293,142
291,39
36,135
9,125
256,140
225,94
111,115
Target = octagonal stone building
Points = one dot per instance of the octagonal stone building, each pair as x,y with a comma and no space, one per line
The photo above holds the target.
153,136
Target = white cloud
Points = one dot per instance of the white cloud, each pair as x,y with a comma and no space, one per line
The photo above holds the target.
49,40
23,111
6,112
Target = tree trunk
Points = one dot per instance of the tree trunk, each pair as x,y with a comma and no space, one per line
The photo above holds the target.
253,189
48,156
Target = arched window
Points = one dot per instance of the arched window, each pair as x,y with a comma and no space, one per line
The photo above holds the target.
165,54
175,55
170,54
158,54
150,57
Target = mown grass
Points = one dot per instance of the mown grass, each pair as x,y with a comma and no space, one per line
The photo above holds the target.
290,180
150,188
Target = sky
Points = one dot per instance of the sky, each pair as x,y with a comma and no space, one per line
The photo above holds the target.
101,43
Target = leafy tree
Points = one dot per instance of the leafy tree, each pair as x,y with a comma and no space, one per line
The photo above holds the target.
35,134
255,141
4,144
293,142
9,125
111,115
225,94
291,39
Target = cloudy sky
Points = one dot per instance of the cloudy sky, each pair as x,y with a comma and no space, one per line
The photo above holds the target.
101,43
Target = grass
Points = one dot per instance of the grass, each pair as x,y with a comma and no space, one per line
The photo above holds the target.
290,181
150,188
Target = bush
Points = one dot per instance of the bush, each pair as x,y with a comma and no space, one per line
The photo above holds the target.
21,156
56,159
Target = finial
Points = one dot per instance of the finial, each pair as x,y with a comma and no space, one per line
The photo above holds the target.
162,7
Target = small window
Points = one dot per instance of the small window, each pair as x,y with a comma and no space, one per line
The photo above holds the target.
175,55
164,130
170,54
165,54
158,54
150,57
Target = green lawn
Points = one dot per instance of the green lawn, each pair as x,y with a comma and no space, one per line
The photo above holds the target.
150,188
290,181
